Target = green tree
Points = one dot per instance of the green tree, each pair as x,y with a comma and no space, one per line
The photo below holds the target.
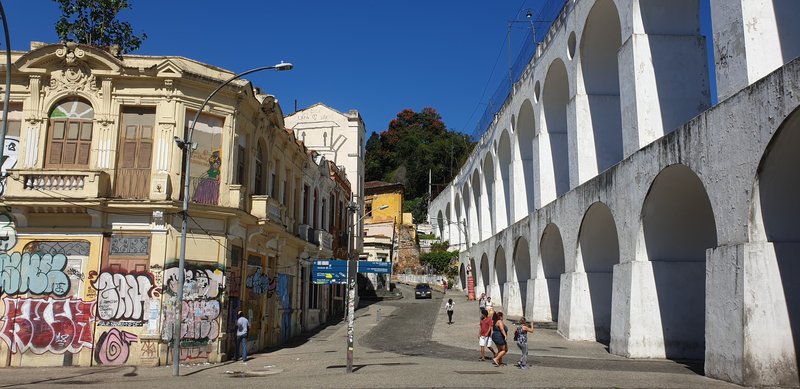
94,22
414,144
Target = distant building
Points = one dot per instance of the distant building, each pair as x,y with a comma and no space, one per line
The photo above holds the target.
340,137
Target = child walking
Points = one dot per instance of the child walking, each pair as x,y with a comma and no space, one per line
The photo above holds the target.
521,336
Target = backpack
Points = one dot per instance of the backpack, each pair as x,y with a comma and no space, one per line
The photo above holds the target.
516,333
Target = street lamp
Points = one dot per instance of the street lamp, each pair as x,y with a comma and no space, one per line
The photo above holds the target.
352,268
188,146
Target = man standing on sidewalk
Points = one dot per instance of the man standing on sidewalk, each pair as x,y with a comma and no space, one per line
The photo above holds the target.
242,326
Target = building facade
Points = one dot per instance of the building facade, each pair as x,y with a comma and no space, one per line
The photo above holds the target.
341,138
88,271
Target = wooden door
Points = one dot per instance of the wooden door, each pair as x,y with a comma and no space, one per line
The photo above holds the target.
135,154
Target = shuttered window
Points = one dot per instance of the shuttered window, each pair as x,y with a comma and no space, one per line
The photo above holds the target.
69,139
260,185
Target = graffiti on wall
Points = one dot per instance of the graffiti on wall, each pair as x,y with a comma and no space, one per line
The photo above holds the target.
11,153
200,308
77,252
122,298
8,232
47,325
260,283
113,347
35,273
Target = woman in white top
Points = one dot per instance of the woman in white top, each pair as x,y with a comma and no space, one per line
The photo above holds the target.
449,308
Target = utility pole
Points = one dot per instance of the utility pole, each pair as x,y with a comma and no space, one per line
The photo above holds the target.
351,288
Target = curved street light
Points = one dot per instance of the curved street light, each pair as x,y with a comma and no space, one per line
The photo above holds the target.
188,146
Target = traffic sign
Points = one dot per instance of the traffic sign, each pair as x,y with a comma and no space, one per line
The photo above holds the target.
329,272
374,267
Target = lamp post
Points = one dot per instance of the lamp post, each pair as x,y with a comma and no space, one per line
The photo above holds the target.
188,146
352,269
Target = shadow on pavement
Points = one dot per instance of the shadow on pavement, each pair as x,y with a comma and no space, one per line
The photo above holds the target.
362,365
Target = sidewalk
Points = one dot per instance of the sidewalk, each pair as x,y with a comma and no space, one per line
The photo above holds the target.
543,342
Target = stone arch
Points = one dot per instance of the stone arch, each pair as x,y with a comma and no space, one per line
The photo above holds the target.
500,277
504,198
775,214
489,218
600,41
462,276
555,98
440,224
472,275
523,169
678,79
598,252
678,226
458,209
522,270
477,207
448,221
551,258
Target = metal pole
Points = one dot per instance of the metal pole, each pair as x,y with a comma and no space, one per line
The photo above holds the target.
7,94
187,146
351,293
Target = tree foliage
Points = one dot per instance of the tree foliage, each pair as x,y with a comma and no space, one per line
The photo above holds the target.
440,260
415,143
94,22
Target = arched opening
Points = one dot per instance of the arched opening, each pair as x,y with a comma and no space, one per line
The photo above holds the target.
505,216
551,250
500,275
478,207
485,273
462,276
472,273
786,12
598,250
489,218
462,238
600,42
679,226
523,174
69,137
555,100
777,215
440,224
522,269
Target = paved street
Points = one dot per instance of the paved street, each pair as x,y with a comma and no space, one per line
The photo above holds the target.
410,346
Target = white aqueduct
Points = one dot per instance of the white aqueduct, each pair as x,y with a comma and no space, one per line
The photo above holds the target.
610,196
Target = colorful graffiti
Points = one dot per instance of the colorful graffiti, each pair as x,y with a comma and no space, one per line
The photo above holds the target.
121,297
260,283
47,325
33,273
8,232
113,347
200,308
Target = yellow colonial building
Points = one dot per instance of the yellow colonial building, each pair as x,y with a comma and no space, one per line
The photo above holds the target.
92,191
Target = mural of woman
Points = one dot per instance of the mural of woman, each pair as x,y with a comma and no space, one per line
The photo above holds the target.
207,191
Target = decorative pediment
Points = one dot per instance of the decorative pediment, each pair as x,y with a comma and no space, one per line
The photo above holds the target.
168,69
53,57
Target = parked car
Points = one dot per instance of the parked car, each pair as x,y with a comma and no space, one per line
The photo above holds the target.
422,290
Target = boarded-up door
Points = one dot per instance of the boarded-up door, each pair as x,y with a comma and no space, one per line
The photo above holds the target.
135,153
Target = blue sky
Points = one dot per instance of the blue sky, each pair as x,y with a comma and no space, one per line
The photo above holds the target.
378,57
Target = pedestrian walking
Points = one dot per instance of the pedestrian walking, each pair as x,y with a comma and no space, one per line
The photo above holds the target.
485,335
444,286
490,307
482,303
521,336
449,308
242,326
499,336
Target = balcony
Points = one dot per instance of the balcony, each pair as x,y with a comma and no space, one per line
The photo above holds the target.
305,232
267,208
57,184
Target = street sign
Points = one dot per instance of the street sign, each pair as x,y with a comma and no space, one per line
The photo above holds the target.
374,267
329,272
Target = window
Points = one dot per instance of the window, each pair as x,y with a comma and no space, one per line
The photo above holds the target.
273,181
305,204
69,139
260,188
313,293
241,164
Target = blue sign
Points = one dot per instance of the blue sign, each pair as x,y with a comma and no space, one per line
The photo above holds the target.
329,272
374,267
